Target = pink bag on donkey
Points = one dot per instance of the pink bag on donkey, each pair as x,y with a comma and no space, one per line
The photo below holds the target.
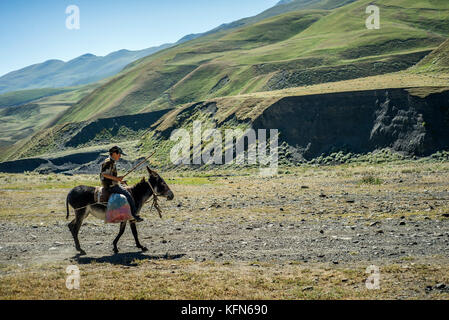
118,209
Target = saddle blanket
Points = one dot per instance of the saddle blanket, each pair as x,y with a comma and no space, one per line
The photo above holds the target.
101,195
118,209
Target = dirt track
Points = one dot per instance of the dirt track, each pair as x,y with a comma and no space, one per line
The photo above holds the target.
313,215
245,239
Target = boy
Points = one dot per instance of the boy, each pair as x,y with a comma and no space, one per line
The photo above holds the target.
111,182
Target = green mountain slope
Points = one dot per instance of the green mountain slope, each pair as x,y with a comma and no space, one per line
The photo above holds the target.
437,61
298,48
150,80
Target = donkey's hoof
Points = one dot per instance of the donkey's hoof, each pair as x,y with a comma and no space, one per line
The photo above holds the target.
144,249
82,252
115,250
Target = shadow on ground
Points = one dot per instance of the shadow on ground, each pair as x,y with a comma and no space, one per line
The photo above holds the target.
126,259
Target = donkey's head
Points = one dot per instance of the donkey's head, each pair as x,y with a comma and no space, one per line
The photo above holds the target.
159,186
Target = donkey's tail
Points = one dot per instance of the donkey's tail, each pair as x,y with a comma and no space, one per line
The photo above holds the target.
67,206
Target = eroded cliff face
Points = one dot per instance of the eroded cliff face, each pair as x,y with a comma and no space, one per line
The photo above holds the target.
110,127
360,122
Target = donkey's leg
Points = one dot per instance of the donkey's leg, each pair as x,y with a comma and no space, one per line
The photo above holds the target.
75,226
136,237
71,226
122,229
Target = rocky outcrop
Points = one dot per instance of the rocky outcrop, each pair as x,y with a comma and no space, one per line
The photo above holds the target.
360,122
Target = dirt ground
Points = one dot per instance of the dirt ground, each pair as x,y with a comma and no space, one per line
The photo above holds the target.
314,229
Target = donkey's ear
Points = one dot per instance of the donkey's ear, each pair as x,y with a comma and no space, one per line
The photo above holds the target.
143,179
149,170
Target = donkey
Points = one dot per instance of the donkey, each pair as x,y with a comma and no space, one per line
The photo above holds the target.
82,199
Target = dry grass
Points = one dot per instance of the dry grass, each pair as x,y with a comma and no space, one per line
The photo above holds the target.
401,79
184,279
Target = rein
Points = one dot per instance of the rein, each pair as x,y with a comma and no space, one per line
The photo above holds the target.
155,204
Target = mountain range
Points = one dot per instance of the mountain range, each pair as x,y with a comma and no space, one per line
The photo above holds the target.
90,68
84,69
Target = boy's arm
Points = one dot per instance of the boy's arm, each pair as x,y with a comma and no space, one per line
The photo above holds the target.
111,177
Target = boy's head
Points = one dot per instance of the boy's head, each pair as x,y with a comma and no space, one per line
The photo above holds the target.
116,152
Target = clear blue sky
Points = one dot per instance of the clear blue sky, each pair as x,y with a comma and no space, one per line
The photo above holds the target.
33,31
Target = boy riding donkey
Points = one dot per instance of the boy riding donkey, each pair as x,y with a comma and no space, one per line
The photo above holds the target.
111,182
